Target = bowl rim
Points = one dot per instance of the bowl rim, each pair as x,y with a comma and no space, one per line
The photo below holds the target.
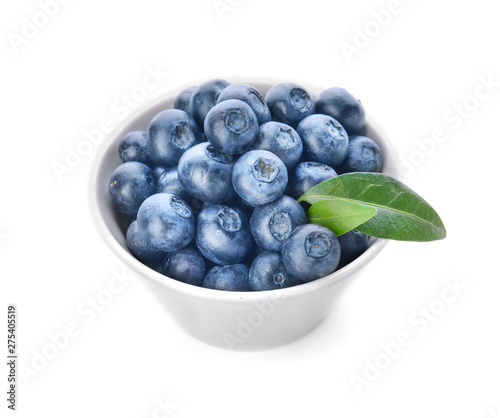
199,292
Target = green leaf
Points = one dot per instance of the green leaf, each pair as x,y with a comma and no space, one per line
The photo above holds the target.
401,213
340,216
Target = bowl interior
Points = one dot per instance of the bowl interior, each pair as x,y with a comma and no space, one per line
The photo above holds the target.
113,226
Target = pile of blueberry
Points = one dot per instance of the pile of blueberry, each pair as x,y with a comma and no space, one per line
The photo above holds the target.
210,189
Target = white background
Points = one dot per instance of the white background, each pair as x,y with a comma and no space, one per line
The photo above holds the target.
128,357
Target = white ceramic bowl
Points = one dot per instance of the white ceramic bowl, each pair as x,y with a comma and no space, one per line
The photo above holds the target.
233,320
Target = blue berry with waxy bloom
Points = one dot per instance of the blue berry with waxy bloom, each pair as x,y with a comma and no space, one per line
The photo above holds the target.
186,265
271,224
158,171
231,127
364,155
268,272
306,175
232,277
259,177
141,248
251,96
170,134
344,107
352,244
130,185
207,174
166,221
169,183
324,138
133,147
223,234
311,252
280,139
204,97
290,103
183,98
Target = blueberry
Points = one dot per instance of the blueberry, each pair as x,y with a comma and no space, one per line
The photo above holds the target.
141,248
306,175
311,252
186,265
169,183
363,155
223,234
352,244
133,147
170,133
290,103
130,185
206,173
205,97
158,171
268,273
343,106
233,277
231,127
325,140
251,96
259,177
272,224
166,221
280,139
183,98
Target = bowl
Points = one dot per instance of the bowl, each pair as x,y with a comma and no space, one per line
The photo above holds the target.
231,320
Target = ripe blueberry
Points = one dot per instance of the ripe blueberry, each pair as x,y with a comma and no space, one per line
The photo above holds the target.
306,175
170,134
206,173
259,177
290,103
133,147
280,139
204,97
311,252
231,127
271,224
183,98
232,277
131,184
169,183
363,155
166,221
352,244
141,248
344,107
325,140
223,234
251,96
268,272
186,265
